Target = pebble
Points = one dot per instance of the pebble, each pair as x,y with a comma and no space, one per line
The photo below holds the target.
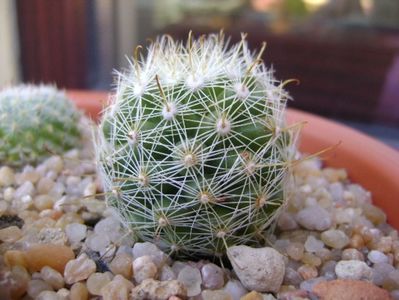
97,242
49,295
144,268
167,273
45,185
118,289
352,254
7,176
54,163
308,285
335,238
10,234
75,232
79,269
191,279
8,194
15,258
54,256
314,218
64,293
212,276
122,265
380,272
259,269
313,245
349,290
292,277
215,295
391,282
52,277
79,291
108,228
54,236
36,286
43,202
286,221
295,250
235,288
158,290
353,269
27,189
254,295
96,281
377,257
307,271
158,257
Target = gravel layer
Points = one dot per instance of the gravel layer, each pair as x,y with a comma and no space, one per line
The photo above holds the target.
58,240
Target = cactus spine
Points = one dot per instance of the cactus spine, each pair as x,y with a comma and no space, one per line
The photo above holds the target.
193,150
36,121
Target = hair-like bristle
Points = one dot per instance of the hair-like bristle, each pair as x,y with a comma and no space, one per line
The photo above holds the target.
36,121
193,149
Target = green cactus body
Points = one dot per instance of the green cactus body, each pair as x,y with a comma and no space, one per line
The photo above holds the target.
193,150
36,121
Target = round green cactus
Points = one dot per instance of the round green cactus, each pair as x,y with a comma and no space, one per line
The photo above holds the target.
36,121
193,150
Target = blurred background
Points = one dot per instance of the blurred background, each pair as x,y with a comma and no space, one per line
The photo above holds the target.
344,52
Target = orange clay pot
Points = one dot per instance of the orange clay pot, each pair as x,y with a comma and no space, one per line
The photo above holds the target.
368,162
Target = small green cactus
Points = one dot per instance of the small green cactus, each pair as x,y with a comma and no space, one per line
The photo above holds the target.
36,121
193,150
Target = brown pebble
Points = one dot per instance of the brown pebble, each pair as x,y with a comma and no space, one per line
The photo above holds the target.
349,290
356,241
10,234
307,271
79,292
15,258
122,264
252,296
54,256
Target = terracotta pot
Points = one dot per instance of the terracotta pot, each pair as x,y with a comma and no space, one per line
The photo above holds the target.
368,162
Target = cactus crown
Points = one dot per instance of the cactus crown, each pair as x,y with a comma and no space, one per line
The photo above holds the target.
193,149
35,121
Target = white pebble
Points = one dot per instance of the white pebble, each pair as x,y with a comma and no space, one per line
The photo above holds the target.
353,269
144,268
286,222
259,269
24,190
376,256
235,289
313,245
97,242
335,238
191,279
212,276
3,207
158,257
36,286
8,194
167,273
109,227
7,176
54,163
52,277
75,232
314,218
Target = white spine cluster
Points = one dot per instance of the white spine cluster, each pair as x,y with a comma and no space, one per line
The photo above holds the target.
196,147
